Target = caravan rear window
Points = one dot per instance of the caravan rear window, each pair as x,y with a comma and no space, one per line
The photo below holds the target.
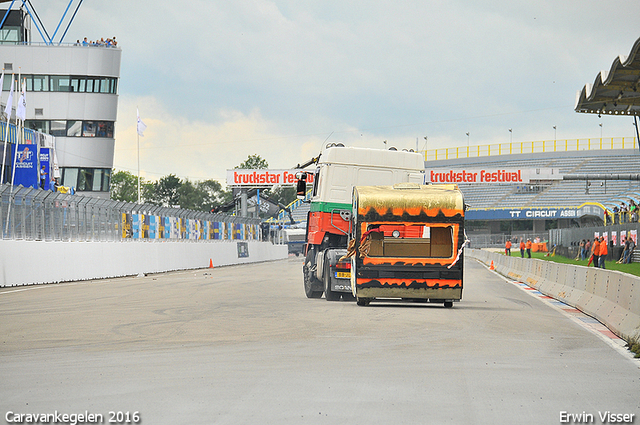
412,241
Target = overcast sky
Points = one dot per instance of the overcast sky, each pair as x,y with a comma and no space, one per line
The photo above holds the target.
216,81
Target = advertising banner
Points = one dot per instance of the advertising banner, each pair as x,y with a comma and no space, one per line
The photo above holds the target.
525,213
243,250
491,175
614,237
136,225
145,226
46,175
240,177
126,225
26,166
214,231
166,233
153,227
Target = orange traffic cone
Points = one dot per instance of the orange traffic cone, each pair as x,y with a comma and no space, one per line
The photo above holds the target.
492,267
210,263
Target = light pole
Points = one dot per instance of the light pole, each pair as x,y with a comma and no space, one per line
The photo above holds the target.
426,152
600,131
467,139
510,136
554,134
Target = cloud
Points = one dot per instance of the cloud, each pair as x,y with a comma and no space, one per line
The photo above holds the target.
198,150
278,77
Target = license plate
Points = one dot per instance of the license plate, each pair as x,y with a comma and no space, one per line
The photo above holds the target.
343,275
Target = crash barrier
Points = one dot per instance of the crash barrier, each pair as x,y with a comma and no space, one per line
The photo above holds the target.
612,297
55,237
36,262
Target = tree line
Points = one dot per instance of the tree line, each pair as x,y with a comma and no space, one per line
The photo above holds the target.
205,195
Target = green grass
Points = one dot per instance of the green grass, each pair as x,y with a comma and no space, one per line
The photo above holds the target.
633,345
633,268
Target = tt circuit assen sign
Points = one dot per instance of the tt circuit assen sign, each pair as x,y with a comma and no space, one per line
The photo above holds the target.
241,177
491,175
534,213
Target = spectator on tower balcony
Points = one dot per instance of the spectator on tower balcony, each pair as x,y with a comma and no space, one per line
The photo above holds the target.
85,42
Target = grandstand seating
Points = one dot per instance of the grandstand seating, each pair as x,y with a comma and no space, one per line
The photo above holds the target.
555,193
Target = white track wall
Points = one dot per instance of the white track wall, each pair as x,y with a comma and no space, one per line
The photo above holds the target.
34,262
612,297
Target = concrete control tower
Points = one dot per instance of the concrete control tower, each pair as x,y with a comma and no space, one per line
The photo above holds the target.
72,92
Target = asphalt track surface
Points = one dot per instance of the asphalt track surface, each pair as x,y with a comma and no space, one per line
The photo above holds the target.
242,345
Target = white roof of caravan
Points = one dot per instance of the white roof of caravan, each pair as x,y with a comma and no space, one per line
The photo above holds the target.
378,158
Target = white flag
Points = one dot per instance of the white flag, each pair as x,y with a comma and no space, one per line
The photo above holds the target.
9,106
21,110
141,126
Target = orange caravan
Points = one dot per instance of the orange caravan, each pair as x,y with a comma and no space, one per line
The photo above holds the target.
407,243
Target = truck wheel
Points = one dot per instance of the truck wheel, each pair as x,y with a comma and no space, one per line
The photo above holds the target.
363,301
448,304
310,282
328,293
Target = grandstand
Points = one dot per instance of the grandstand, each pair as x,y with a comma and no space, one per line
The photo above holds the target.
538,205
542,194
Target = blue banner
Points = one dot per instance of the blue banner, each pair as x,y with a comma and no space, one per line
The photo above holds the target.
549,213
136,225
45,169
26,166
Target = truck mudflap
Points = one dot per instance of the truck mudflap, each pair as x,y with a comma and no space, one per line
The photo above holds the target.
430,289
339,271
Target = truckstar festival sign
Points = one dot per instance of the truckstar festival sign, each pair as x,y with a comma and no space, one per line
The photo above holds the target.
264,177
491,175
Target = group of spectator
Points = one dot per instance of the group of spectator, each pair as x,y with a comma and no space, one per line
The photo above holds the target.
109,42
596,251
627,253
523,246
625,212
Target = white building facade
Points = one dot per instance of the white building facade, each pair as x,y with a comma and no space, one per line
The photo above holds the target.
72,94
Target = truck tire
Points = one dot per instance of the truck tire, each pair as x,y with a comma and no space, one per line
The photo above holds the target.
328,293
363,301
310,282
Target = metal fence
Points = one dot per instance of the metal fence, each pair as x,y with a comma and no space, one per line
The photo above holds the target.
41,215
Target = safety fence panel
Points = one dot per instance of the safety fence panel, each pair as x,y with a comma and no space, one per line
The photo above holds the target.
35,214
